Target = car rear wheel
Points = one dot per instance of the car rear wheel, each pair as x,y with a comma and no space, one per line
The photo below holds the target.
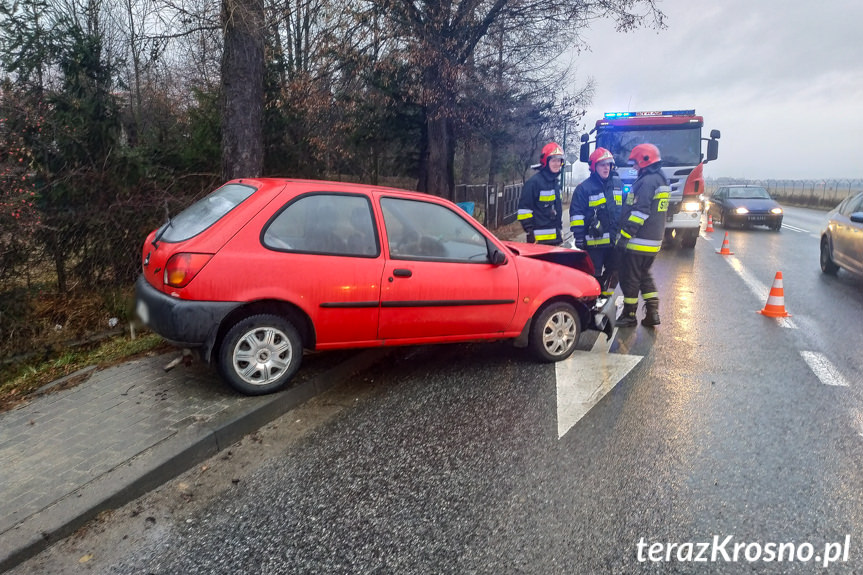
827,264
554,333
260,354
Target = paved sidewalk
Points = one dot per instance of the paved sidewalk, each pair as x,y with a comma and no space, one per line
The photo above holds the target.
67,455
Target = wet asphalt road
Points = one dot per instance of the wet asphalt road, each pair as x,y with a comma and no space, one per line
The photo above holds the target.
452,463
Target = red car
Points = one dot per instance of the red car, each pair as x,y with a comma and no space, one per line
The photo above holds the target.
262,268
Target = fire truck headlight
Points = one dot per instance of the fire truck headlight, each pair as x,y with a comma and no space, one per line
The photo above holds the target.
776,211
741,210
691,206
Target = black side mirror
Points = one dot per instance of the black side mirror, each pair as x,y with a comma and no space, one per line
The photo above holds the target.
712,149
857,217
584,151
497,257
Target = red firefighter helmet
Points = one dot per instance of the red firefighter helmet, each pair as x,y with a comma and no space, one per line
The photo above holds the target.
644,155
599,155
550,150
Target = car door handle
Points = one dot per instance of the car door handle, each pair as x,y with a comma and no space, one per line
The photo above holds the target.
402,273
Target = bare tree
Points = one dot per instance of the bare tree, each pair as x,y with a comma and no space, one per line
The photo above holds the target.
444,35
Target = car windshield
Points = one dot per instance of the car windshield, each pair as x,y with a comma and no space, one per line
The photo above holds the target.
677,146
205,212
748,193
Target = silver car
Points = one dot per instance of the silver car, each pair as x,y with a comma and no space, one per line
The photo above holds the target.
842,238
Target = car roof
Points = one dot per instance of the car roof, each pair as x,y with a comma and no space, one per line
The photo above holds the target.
308,185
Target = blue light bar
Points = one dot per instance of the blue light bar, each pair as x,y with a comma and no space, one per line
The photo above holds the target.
616,115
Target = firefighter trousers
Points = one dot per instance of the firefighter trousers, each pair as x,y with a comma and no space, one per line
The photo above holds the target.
604,268
635,277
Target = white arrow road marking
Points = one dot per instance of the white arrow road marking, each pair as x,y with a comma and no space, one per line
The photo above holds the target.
821,366
584,379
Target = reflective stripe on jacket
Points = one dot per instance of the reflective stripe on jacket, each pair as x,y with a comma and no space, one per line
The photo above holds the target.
596,199
643,220
540,206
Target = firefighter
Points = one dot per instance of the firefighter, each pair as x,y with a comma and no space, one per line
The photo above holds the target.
540,207
594,215
642,227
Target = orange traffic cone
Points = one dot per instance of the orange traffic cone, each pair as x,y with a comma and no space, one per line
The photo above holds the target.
725,251
776,300
709,227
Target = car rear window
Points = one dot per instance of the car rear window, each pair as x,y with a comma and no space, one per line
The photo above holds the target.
205,212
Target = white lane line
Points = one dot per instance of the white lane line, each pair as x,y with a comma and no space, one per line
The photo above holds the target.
823,369
795,229
760,290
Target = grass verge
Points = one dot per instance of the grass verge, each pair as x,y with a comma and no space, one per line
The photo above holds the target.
21,382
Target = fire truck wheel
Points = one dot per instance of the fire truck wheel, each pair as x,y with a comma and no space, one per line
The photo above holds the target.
689,238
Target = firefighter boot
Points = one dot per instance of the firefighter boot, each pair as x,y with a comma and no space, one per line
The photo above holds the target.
627,316
651,312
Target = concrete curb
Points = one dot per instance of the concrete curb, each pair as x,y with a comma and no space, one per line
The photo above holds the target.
163,462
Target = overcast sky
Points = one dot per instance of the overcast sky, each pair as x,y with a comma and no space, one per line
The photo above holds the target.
781,79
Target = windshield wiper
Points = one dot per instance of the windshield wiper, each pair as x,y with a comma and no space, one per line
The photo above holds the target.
161,233
168,224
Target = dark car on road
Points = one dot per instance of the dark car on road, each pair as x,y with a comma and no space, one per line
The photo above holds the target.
261,269
745,206
842,237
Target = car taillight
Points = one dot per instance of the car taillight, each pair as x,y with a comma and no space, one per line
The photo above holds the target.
183,267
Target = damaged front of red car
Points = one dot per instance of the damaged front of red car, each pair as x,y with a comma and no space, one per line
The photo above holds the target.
551,279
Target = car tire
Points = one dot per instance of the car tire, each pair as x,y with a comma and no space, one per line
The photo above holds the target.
723,220
828,266
555,332
776,227
260,354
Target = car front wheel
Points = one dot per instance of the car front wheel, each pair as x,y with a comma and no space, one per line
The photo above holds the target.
260,354
554,333
827,264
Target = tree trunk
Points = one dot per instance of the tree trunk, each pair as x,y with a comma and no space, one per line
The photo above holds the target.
437,169
243,89
439,175
467,162
494,161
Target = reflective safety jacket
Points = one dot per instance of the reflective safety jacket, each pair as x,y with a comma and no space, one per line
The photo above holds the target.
540,207
594,213
642,221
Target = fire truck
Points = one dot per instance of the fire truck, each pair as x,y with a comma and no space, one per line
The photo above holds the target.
677,134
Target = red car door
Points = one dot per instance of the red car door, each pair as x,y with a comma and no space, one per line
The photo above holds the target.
325,257
438,283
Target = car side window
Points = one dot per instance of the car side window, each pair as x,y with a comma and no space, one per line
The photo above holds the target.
853,205
418,230
321,223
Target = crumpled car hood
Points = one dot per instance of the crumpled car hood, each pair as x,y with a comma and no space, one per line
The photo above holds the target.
573,258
